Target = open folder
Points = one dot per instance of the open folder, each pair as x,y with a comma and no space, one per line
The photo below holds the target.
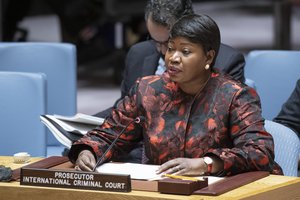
67,129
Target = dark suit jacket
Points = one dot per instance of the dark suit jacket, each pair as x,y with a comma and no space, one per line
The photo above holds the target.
290,111
142,60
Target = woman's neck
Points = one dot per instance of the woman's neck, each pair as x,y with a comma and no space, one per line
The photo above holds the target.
196,86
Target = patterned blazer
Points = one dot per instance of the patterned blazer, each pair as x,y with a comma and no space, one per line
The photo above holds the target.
224,120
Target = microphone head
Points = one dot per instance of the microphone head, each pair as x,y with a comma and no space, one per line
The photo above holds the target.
139,119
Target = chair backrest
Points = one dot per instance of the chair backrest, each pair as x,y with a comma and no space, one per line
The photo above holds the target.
22,101
287,147
275,73
57,61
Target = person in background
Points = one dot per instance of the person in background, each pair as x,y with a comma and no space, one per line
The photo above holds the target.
147,57
289,114
197,120
290,111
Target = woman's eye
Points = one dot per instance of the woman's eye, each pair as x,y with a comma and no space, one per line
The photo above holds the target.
170,49
186,52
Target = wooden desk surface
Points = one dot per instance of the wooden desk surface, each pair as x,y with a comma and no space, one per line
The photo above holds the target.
271,187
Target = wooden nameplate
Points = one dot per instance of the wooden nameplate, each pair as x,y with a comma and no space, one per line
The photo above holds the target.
178,186
75,179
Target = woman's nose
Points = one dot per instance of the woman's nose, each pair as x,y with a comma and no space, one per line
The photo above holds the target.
175,58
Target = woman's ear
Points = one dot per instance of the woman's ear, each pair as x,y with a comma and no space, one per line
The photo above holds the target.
210,55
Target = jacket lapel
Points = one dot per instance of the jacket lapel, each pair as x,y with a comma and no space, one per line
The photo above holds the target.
150,64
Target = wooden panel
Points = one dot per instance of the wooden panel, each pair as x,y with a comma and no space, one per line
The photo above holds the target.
271,187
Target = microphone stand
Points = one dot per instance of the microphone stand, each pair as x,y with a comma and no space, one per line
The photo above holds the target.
137,120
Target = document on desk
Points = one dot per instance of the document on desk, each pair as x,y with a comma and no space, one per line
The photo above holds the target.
135,170
140,171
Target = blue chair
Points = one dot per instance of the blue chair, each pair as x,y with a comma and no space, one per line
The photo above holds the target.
287,147
58,62
274,73
22,101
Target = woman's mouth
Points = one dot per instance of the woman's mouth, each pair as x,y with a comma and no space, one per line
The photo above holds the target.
173,71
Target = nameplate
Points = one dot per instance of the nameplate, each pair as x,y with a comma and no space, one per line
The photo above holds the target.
75,179
178,186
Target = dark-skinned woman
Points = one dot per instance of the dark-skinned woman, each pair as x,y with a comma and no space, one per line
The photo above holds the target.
197,120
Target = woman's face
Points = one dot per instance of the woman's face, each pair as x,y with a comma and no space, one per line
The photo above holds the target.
185,62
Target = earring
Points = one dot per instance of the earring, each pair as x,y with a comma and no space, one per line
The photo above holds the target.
207,66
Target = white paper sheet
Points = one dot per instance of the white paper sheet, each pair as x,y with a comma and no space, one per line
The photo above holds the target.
140,171
136,171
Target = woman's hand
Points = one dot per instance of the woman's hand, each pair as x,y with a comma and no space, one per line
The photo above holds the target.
85,161
183,166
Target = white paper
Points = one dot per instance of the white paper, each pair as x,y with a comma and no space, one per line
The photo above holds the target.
141,171
57,134
136,171
213,179
82,118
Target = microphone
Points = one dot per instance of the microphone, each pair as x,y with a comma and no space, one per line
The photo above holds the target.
140,119
137,120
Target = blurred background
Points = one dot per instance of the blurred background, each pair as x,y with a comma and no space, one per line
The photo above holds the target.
103,30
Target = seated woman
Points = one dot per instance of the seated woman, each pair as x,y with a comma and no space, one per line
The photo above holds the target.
197,120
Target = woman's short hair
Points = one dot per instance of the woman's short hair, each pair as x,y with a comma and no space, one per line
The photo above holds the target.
200,29
166,12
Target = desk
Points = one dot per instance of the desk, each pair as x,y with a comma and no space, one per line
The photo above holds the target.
276,187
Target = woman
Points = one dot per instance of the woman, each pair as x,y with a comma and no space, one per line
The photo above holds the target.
196,119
